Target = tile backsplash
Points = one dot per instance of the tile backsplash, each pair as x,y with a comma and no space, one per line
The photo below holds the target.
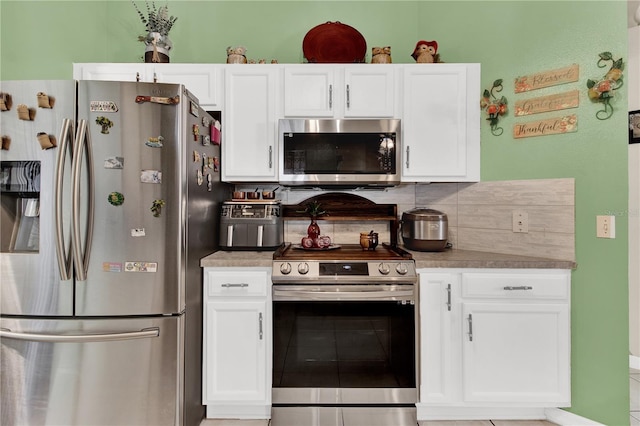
480,215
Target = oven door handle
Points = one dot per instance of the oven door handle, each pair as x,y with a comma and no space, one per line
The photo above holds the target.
369,293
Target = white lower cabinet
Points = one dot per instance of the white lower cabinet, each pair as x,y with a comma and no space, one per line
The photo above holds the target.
493,343
237,343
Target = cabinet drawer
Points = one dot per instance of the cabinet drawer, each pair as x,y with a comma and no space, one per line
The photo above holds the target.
515,286
235,283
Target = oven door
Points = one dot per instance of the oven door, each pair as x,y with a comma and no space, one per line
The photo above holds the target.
344,345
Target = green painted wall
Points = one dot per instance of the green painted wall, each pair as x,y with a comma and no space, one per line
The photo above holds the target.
41,39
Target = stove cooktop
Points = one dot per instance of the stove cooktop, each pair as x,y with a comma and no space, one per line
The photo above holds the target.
384,251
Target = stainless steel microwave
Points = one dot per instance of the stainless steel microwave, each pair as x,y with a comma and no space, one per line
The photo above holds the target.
359,152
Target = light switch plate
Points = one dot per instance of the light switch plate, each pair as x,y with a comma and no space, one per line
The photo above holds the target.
605,226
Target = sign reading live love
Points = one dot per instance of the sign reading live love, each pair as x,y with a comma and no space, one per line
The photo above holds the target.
556,102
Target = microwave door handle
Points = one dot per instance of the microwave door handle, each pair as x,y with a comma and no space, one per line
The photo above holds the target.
229,235
260,234
66,149
82,145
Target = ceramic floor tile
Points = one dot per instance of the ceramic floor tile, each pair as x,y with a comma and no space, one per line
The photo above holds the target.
455,423
234,422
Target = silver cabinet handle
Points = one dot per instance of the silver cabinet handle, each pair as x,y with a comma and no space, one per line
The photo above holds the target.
260,325
260,235
66,149
470,320
330,96
448,297
235,285
522,287
270,156
348,98
407,162
80,338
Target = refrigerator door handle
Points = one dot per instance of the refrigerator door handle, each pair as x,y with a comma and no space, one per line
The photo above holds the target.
80,338
66,146
82,144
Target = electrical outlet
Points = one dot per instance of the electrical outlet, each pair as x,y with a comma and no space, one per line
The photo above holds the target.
605,226
520,221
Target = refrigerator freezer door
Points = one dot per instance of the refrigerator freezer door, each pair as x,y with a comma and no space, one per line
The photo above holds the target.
135,259
31,281
92,372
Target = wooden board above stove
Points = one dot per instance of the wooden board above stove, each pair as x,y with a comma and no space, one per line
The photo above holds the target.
346,207
340,206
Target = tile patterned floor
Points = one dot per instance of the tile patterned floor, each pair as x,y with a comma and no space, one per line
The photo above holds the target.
634,414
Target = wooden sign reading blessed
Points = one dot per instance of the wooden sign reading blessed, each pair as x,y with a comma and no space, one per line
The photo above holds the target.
547,78
551,126
548,103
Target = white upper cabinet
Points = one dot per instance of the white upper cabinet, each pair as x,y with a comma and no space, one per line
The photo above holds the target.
441,123
249,148
336,91
203,80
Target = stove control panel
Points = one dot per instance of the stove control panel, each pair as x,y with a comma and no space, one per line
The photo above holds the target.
300,270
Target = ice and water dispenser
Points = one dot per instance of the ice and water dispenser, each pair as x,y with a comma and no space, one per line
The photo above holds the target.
20,197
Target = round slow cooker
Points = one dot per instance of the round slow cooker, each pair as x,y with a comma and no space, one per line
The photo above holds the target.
424,229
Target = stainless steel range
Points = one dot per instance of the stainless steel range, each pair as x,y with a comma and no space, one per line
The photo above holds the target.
344,326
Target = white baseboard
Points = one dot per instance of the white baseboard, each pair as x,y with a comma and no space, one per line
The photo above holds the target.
565,418
634,362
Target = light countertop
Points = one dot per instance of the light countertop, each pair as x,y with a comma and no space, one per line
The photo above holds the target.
444,259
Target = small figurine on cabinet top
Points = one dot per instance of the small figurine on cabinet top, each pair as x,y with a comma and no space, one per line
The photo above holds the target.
426,52
236,55
381,55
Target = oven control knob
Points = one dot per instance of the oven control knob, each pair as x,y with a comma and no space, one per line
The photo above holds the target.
402,268
303,268
285,268
384,269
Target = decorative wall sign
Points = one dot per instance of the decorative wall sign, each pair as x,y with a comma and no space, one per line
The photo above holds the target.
604,89
555,102
547,78
494,107
551,126
634,126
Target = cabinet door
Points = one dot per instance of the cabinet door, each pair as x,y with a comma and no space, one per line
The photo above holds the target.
441,122
113,72
439,341
309,91
369,91
203,80
249,148
516,352
235,354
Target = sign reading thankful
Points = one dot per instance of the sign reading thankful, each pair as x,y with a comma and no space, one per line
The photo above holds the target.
551,126
547,78
548,103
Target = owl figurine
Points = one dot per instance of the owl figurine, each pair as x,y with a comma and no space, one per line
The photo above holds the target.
426,52
236,55
381,55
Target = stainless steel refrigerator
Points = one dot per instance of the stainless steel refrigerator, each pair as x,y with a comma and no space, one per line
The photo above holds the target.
110,197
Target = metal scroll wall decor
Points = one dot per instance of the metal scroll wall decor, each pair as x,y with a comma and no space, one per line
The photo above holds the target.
494,107
603,90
